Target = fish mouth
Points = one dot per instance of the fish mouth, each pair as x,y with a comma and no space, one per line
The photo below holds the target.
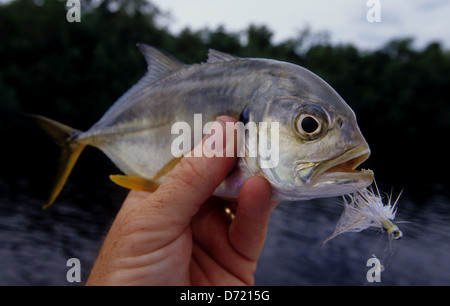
339,170
348,161
342,169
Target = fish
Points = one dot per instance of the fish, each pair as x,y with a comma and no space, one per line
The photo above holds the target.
365,209
319,142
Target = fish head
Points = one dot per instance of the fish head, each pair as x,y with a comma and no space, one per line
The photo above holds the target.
319,144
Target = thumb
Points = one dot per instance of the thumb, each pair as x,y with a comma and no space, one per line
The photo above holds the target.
195,178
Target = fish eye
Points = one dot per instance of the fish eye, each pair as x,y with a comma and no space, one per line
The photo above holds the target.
310,123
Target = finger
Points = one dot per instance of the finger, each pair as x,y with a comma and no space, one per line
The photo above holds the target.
248,230
194,179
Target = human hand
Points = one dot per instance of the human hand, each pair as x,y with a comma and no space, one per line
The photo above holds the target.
180,235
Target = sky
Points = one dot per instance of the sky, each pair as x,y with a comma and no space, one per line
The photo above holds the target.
345,20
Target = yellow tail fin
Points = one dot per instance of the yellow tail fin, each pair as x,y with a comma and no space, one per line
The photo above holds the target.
65,137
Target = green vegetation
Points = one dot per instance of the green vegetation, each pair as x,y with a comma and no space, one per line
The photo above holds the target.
73,72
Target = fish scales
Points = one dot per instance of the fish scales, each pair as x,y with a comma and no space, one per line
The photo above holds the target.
211,90
319,144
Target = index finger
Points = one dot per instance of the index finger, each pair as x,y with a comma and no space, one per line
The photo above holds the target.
249,227
194,179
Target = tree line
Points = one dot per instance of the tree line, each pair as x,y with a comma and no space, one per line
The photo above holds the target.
74,71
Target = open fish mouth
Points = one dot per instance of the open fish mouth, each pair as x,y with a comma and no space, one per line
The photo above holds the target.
349,162
342,169
339,170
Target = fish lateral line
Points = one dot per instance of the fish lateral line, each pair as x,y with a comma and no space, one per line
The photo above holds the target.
170,91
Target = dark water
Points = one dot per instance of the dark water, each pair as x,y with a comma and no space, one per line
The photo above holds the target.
36,244
294,254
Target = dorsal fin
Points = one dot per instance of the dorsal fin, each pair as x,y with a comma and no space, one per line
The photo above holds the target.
215,56
159,63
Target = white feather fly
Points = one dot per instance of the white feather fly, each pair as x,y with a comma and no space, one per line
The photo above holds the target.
364,209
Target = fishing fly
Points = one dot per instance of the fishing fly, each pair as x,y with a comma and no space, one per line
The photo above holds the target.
364,209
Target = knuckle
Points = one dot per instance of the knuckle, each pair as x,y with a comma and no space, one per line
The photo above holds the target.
191,173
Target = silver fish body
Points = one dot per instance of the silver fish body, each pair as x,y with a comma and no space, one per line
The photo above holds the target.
135,133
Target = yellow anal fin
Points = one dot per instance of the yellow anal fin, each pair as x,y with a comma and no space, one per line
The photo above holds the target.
139,183
167,168
135,182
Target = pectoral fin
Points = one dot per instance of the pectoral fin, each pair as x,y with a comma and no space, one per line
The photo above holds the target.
134,182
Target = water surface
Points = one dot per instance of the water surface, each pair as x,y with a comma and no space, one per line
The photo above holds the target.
36,244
